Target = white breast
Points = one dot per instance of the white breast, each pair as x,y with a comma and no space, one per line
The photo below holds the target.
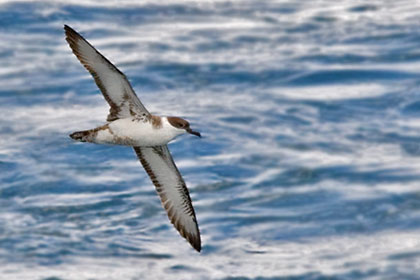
137,133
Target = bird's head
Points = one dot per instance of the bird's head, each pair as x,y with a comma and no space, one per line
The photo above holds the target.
183,125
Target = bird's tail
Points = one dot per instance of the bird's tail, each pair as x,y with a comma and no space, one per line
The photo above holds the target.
82,136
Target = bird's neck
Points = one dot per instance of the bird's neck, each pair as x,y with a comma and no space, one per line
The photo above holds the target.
157,121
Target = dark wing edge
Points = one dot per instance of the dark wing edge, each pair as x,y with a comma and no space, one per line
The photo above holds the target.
89,58
172,191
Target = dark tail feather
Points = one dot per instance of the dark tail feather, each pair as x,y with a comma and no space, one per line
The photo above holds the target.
80,135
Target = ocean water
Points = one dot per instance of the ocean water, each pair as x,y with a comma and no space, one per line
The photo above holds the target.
309,165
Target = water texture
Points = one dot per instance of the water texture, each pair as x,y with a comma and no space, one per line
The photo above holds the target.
309,167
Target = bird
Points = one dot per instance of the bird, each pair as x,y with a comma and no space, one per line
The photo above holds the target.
129,123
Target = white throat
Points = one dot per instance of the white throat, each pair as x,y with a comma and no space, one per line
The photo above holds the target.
171,130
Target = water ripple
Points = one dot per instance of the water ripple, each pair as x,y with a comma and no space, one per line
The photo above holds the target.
307,169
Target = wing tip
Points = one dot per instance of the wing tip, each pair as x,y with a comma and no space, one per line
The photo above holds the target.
195,243
193,238
70,32
71,37
74,39
193,235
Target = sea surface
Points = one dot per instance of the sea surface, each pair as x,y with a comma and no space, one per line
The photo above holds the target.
309,165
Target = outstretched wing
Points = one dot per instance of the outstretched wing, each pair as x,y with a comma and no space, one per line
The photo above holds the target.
159,165
112,82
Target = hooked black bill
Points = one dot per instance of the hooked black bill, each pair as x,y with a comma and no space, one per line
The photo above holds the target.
196,133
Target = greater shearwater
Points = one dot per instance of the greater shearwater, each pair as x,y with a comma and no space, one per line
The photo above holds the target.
130,124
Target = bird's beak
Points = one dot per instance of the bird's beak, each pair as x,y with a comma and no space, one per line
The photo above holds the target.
196,133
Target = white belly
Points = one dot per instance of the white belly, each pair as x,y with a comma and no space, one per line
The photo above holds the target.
134,133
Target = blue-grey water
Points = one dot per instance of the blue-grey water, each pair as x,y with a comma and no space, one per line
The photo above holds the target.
309,167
